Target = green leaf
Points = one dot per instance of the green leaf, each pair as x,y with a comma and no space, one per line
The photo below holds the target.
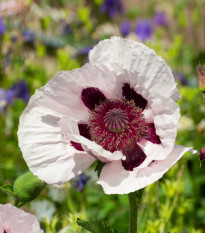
99,167
95,226
8,188
27,187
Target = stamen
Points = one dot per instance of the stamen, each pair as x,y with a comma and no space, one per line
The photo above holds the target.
115,122
119,124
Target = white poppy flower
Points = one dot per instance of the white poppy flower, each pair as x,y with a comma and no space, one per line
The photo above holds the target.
15,220
120,108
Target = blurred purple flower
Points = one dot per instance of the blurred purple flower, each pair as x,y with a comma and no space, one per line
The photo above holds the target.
14,39
160,19
143,30
112,8
80,182
17,91
9,96
181,78
85,50
21,90
2,27
7,59
6,98
28,36
67,29
125,27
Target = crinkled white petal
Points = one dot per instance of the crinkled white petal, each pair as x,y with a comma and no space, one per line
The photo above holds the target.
166,114
138,63
44,149
148,114
1,229
63,93
97,151
116,180
70,130
40,134
15,220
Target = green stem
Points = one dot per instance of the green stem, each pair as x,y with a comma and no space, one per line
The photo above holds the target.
16,202
203,94
134,204
69,199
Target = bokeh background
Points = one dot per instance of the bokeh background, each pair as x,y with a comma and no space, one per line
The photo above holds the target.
40,37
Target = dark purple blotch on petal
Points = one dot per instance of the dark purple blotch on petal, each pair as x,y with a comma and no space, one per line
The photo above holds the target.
130,94
134,156
152,136
152,163
92,96
76,145
84,131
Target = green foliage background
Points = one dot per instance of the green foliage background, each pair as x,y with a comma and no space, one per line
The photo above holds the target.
176,203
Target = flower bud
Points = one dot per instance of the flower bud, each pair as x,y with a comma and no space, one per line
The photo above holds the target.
27,187
202,154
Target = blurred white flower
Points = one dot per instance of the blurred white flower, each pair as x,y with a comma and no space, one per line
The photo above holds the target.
56,194
15,220
43,209
185,123
108,29
13,7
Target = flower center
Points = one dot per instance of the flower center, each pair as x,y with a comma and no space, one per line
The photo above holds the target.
115,123
116,120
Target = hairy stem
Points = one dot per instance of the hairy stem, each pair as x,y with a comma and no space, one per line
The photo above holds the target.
134,204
